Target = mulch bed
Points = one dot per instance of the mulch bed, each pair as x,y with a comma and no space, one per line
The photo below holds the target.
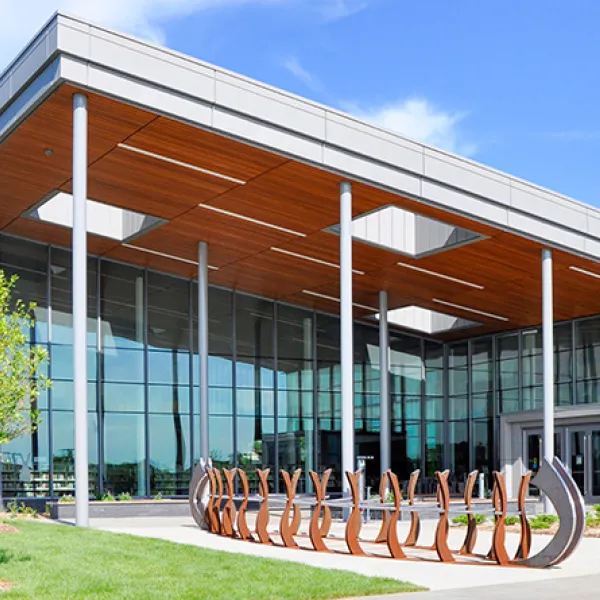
5,585
6,528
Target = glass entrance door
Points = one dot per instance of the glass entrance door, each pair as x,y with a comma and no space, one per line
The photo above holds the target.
584,461
534,453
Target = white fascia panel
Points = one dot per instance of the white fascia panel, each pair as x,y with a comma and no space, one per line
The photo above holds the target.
151,64
377,144
593,223
265,104
73,38
267,136
546,231
464,175
533,201
592,247
465,204
147,96
404,183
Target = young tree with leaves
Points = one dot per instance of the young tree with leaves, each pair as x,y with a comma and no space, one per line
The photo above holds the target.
20,362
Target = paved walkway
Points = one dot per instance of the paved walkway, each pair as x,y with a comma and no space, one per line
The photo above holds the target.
433,575
578,588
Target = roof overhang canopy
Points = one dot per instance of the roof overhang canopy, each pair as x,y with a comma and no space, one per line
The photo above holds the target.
256,172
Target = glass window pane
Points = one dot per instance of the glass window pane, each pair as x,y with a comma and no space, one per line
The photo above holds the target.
533,398
168,399
254,326
459,407
221,440
123,397
220,401
509,400
458,355
169,437
122,306
406,448
61,362
434,454
483,442
587,333
124,453
254,373
483,405
170,367
508,346
255,402
481,351
434,382
63,460
62,297
168,312
532,342
220,320
120,365
459,455
25,464
62,395
434,407
256,446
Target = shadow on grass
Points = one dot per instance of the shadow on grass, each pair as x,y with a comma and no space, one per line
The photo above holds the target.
7,556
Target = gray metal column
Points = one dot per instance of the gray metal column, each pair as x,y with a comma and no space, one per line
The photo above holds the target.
203,346
385,437
80,135
346,325
548,356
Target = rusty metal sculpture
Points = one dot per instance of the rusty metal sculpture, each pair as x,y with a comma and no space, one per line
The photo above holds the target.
242,524
415,523
288,529
229,511
552,478
441,532
382,536
354,522
525,541
318,530
262,519
392,531
471,535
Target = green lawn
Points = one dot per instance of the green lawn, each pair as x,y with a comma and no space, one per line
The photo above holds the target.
48,561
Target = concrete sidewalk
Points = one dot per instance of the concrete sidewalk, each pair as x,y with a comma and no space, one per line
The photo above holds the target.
580,588
430,574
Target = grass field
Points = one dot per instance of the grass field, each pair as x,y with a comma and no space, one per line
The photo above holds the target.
48,561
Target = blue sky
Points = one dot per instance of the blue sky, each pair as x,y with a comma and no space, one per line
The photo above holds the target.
513,84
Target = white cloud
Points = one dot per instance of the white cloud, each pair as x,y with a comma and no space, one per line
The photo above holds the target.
419,119
333,10
292,64
20,19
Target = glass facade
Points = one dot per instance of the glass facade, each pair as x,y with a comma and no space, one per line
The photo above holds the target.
274,385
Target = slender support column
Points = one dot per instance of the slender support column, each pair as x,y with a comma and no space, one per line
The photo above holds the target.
80,135
347,344
548,356
203,346
384,385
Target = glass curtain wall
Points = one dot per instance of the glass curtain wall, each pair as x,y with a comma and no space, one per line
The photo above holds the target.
274,385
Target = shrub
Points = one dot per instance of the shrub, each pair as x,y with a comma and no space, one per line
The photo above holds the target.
592,519
460,520
66,499
543,521
158,496
108,497
464,519
512,521
597,508
124,497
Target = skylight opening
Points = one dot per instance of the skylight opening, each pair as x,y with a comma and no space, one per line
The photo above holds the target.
103,220
408,233
426,321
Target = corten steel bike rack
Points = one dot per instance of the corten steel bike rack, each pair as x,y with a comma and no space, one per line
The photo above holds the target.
206,502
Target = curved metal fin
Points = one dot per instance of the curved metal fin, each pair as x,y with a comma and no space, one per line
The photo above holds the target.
198,494
579,506
550,481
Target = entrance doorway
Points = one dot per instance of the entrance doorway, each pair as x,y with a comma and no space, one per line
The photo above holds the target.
533,454
578,448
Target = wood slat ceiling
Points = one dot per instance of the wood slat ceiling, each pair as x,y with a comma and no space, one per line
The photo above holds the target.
297,197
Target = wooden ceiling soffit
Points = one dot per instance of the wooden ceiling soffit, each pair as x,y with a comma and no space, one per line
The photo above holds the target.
37,157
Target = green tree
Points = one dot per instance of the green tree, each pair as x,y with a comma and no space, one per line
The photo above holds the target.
20,362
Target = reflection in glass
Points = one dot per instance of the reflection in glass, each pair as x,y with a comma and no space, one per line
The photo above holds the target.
459,455
25,464
125,453
434,454
169,437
